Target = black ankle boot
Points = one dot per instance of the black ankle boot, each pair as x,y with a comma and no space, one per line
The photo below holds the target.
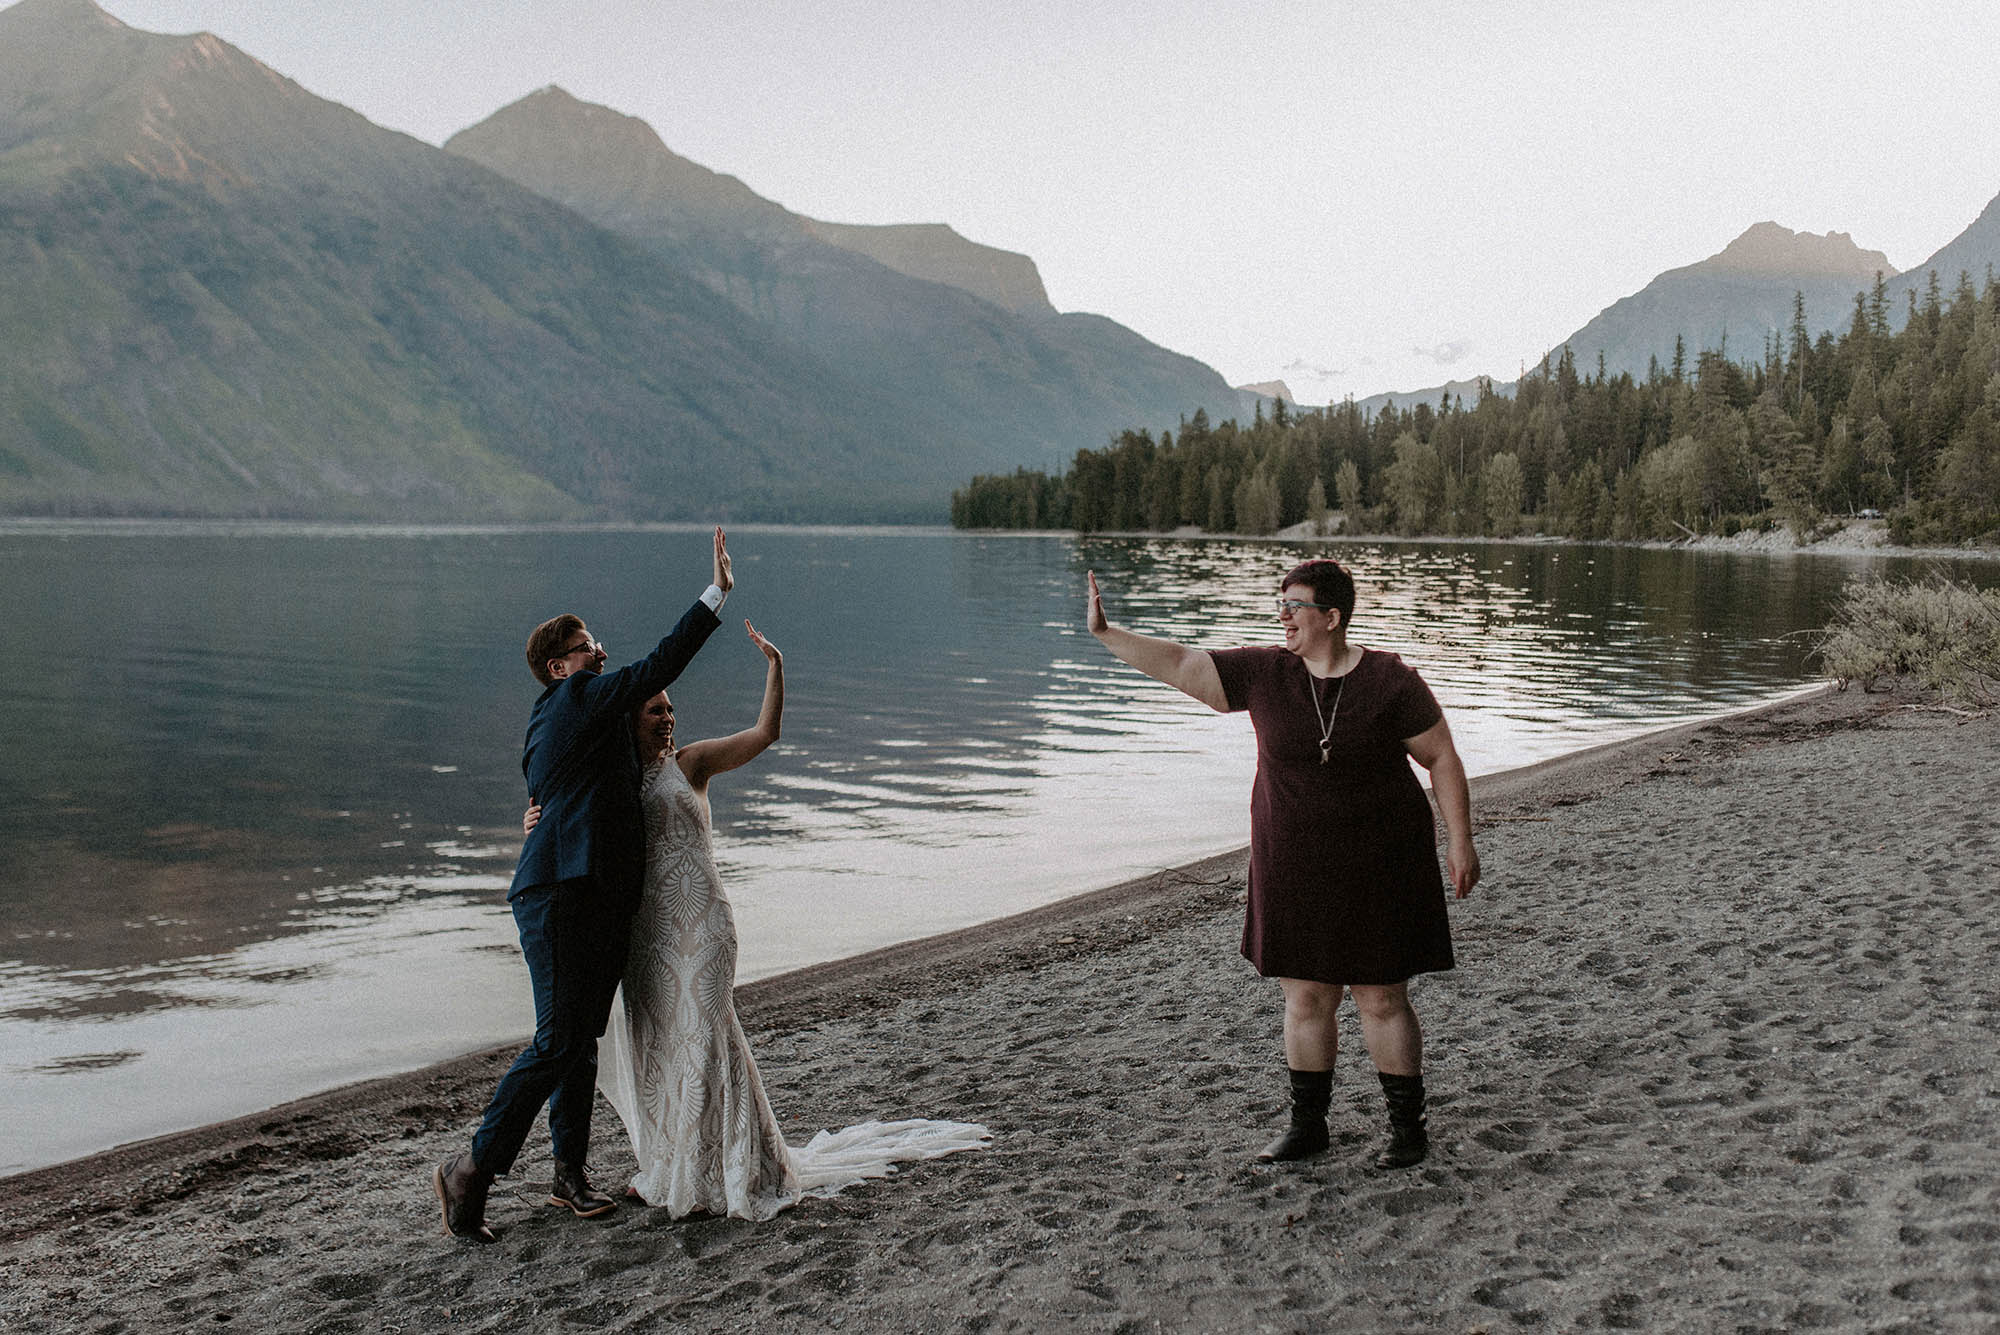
1312,1091
572,1190
1408,1143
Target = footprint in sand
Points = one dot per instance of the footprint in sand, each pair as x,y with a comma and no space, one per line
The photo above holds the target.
1507,1137
344,1286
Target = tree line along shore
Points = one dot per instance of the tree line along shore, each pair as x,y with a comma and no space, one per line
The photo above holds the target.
1905,424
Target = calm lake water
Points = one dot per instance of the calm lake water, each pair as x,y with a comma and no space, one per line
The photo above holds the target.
263,789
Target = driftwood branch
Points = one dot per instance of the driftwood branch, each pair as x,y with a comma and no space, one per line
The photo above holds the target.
1947,709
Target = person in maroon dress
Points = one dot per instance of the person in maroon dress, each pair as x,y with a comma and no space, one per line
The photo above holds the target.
1345,895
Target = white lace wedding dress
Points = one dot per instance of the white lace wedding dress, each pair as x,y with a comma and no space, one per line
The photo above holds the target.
676,1064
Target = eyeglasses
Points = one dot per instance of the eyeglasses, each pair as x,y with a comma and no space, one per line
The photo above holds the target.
1294,604
592,647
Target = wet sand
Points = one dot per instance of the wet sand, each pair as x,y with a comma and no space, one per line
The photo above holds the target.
1718,1056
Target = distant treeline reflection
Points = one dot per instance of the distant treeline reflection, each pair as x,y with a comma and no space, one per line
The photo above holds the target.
1907,423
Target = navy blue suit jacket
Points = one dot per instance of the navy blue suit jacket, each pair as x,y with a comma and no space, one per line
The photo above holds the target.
582,765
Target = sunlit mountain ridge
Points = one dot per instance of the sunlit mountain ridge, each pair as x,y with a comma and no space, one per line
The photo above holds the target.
223,295
1742,295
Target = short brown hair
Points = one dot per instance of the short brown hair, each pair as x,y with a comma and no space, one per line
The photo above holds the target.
547,642
1330,583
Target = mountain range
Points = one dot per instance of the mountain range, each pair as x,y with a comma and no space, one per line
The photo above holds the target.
221,294
1738,297
1732,300
917,313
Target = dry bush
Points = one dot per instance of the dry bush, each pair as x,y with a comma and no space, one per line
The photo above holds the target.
1942,635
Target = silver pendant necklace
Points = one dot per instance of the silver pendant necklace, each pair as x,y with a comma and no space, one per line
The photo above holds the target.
1326,721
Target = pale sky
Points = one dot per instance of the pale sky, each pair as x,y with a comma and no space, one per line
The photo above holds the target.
1353,197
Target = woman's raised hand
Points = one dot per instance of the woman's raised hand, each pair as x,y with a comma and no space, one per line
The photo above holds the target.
530,818
770,650
1187,670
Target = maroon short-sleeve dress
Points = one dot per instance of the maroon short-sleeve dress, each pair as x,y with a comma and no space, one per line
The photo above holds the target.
1344,883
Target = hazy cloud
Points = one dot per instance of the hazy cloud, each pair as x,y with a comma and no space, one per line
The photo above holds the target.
1304,369
1444,354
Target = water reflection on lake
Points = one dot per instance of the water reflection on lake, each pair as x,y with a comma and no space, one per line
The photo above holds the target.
264,789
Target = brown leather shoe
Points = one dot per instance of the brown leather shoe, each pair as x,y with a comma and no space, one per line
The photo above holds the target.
572,1190
461,1187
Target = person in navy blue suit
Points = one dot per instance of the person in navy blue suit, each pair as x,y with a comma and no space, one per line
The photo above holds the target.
574,892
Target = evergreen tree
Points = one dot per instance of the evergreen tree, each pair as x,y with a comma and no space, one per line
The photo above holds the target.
1502,485
1257,502
1316,510
1347,487
1801,349
1413,485
1850,420
1878,312
1219,517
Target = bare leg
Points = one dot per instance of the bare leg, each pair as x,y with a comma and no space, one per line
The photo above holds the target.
1396,1042
1388,1026
1312,1024
1312,1041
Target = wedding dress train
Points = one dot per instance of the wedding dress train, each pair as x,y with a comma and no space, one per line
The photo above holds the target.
676,1065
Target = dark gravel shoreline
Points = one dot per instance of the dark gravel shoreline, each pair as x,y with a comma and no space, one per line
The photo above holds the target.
337,1123
1715,1058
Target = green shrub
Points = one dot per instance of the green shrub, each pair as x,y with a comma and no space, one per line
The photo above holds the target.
1936,523
1942,635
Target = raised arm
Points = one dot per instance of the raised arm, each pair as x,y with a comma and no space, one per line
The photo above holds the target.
702,761
1187,670
620,691
1436,752
725,576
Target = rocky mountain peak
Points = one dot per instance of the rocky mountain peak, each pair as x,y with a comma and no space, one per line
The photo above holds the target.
936,253
617,171
554,109
1269,389
609,166
53,16
1766,248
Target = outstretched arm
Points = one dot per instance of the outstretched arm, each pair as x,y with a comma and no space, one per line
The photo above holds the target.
702,761
1184,669
1436,752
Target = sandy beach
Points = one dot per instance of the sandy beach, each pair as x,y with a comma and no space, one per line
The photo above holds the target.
1718,1056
